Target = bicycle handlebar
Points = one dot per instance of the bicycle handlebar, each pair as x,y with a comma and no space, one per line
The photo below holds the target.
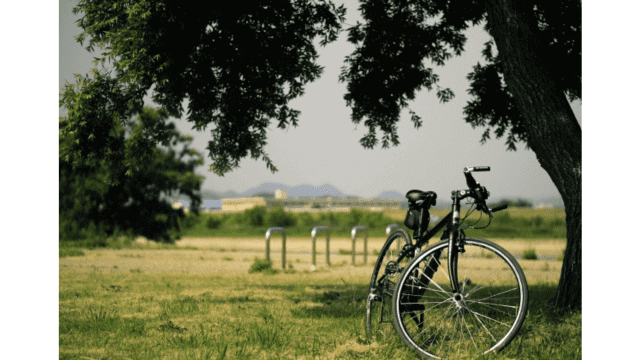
477,168
499,207
471,182
480,193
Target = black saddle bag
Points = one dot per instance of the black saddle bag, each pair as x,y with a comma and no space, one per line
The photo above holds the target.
417,216
418,213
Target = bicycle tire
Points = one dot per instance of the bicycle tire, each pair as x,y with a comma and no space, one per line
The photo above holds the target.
483,318
381,286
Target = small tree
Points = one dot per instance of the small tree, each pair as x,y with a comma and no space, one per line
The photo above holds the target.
138,203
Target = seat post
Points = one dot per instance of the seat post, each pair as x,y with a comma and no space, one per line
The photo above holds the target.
418,232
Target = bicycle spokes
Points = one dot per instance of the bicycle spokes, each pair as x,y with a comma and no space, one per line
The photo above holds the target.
476,309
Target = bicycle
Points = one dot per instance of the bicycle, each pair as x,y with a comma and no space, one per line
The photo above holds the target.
460,296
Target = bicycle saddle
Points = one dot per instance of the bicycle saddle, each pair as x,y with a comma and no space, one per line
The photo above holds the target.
419,198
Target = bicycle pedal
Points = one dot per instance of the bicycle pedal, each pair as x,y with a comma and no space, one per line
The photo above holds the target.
374,297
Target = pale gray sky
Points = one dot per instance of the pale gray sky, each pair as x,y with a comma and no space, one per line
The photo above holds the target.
324,148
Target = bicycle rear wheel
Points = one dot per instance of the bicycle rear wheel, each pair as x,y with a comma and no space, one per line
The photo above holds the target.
383,280
484,317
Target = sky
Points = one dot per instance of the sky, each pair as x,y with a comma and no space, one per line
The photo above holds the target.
324,148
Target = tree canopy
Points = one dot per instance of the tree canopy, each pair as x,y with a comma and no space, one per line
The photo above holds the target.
532,66
236,65
397,38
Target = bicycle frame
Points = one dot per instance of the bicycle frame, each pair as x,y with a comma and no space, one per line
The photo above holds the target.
456,237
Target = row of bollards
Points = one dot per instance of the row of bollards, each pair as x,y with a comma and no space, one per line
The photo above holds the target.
314,232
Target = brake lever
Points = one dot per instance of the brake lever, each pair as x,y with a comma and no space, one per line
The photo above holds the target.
489,212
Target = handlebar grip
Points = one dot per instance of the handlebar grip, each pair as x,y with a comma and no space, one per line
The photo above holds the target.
476,168
499,207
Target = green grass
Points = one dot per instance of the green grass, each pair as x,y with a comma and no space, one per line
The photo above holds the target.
256,316
70,252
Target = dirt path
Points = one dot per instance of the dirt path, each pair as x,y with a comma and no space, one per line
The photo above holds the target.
235,256
224,256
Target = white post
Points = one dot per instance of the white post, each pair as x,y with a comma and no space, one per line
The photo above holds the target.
354,232
284,244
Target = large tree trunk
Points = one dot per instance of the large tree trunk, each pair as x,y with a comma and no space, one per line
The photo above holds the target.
554,133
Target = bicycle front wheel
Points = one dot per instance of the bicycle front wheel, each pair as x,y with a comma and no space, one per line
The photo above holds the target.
483,317
385,274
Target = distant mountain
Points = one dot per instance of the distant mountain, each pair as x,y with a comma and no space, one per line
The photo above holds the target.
209,194
230,194
315,191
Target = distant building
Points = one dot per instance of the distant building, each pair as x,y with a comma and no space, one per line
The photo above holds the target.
242,204
334,204
281,194
211,204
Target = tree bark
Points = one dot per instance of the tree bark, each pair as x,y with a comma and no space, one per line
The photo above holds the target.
554,133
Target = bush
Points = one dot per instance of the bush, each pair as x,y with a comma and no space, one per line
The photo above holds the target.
278,217
307,220
262,266
255,216
376,220
328,219
214,222
530,255
238,218
355,217
189,221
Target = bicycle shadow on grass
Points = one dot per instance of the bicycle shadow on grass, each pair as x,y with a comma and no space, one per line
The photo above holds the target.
333,301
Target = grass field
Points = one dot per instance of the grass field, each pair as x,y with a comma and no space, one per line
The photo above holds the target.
197,301
253,223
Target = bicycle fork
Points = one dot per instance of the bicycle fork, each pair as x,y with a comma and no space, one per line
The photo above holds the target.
456,238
